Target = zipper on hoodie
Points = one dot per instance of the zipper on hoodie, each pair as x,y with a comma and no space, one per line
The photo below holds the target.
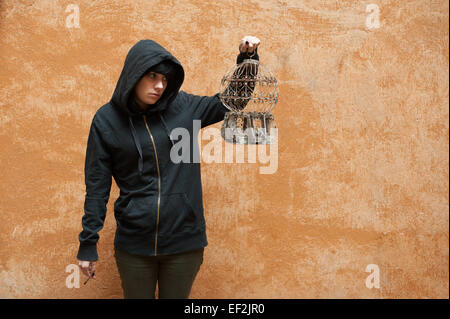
159,182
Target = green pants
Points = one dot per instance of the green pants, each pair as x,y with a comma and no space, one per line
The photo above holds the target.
174,274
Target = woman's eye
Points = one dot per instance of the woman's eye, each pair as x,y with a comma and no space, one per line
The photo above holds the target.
154,76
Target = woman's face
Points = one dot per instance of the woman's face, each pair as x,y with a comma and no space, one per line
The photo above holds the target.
150,88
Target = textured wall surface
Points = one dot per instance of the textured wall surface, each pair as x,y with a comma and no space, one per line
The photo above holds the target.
363,146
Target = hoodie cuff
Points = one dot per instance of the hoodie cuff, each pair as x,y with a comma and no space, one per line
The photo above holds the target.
87,252
244,55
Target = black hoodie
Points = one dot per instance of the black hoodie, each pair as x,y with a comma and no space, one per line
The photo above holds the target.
160,209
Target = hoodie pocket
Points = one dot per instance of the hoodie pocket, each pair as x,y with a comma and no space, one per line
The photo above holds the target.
177,215
139,216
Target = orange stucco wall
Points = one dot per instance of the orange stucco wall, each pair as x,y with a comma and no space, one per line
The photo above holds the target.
362,174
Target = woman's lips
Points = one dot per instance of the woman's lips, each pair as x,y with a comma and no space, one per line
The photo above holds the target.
154,95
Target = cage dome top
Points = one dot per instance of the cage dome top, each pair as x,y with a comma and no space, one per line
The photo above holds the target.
251,86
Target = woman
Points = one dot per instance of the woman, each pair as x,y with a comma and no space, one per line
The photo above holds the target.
160,233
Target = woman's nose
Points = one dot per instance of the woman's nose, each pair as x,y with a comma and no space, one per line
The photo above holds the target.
159,85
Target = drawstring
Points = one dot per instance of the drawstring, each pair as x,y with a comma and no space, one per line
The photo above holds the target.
165,127
138,145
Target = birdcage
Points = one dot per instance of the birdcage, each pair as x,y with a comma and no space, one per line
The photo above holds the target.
250,92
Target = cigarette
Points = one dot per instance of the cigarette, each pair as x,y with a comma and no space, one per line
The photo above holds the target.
89,278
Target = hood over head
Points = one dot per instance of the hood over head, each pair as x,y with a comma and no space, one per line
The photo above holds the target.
143,56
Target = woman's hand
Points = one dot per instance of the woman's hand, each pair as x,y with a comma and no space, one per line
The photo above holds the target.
249,44
88,267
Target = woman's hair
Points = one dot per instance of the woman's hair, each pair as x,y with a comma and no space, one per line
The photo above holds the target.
165,67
